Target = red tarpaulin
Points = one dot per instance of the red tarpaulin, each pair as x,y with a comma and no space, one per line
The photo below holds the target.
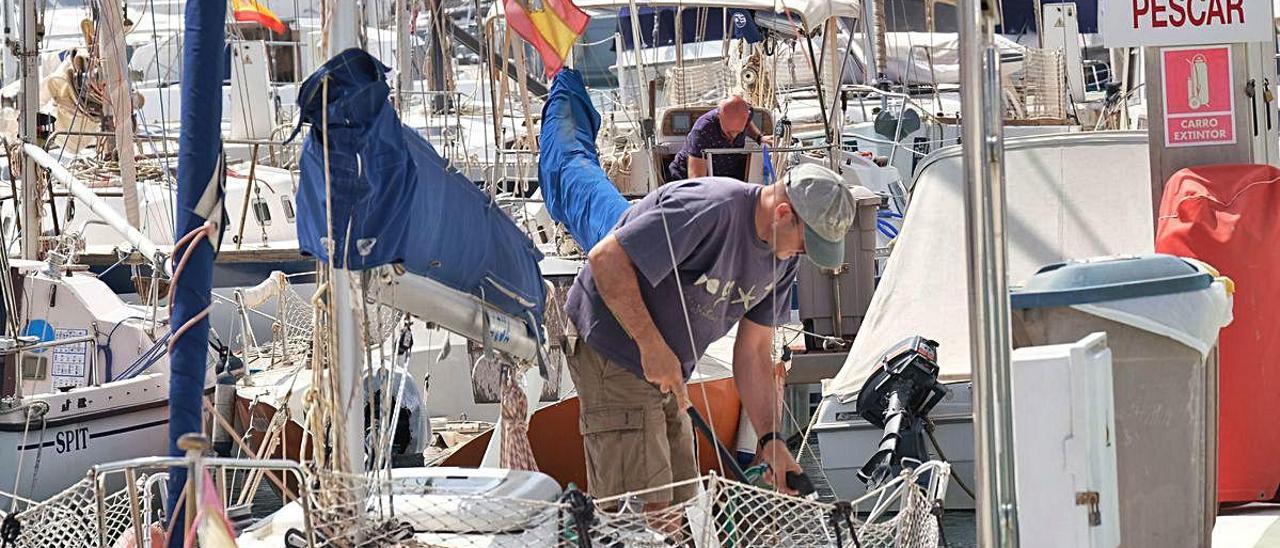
1229,216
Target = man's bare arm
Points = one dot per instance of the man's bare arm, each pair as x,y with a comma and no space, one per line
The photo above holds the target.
615,278
753,373
756,135
697,167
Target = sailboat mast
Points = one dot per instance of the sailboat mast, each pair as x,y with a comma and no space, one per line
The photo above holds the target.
344,34
646,108
404,56
28,52
344,27
8,67
881,45
830,70
437,58
197,229
989,331
115,69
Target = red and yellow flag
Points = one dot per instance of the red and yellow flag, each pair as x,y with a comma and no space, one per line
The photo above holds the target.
252,11
551,28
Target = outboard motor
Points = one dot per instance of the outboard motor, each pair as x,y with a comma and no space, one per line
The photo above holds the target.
897,398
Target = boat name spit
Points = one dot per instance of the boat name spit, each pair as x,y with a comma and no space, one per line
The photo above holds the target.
71,440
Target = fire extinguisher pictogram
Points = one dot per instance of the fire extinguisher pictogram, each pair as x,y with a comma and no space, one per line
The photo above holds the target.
1198,83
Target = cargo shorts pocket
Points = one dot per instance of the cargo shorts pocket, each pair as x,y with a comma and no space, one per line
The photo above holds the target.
615,445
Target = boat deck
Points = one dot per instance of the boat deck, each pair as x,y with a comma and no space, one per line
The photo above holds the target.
1248,526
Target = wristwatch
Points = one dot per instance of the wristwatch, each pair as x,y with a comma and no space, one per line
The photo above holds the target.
768,437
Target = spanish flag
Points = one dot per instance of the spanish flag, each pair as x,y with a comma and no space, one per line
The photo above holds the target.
252,11
552,28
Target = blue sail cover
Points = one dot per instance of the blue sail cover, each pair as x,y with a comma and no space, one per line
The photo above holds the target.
371,177
701,24
577,192
200,188
396,200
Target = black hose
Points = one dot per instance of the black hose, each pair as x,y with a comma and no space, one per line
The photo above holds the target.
928,428
937,511
729,460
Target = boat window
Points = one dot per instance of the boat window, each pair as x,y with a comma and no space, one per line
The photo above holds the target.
922,147
681,123
262,211
34,367
898,193
287,204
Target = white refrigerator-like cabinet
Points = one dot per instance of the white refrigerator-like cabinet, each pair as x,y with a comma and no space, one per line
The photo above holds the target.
1064,439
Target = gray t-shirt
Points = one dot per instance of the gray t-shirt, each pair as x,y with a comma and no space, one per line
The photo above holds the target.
726,271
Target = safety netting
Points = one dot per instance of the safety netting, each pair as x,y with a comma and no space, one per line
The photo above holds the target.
343,510
725,513
123,506
78,517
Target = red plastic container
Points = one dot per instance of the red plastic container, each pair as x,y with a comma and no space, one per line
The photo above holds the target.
1229,217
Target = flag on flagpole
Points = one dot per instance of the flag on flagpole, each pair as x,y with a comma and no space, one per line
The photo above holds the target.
551,28
252,11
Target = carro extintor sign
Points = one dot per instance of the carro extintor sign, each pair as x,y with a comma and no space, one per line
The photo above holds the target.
1199,106
1183,22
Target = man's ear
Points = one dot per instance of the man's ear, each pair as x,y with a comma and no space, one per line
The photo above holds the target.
783,212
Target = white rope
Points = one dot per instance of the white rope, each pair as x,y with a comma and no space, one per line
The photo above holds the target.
684,310
26,428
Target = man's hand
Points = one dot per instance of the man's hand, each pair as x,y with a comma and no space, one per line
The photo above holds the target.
662,367
696,167
616,281
780,461
753,369
766,140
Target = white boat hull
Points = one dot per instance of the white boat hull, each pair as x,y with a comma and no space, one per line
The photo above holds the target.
59,455
846,442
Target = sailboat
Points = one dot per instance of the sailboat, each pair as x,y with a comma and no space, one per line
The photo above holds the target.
496,303
86,373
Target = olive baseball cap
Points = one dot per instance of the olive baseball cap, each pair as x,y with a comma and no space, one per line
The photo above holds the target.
826,207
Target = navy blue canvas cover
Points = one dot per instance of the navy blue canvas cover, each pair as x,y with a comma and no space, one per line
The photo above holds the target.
577,192
705,24
371,178
396,200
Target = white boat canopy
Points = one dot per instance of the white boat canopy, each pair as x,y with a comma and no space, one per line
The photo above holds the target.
928,57
1069,196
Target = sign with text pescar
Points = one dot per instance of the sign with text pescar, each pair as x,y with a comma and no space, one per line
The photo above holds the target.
1199,106
1126,23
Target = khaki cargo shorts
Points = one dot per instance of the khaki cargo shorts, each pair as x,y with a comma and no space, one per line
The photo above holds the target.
635,437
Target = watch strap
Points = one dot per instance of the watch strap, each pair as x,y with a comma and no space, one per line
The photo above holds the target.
768,437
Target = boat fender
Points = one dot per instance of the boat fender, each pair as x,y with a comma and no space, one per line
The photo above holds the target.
224,396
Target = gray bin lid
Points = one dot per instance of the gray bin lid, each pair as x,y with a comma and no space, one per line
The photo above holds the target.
1112,279
863,196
